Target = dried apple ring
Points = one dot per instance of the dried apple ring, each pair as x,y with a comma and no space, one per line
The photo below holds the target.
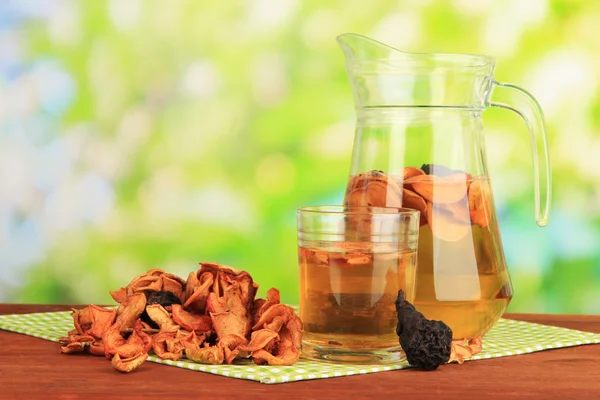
410,172
459,210
412,200
479,201
444,226
375,189
439,190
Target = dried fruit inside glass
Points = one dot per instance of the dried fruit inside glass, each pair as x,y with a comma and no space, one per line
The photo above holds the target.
461,275
347,293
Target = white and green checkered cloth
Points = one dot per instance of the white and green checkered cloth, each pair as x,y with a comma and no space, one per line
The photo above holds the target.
507,338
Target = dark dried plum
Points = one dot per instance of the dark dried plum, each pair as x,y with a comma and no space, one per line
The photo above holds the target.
164,299
426,343
211,339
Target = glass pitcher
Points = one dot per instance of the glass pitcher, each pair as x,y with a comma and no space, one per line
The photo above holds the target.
419,144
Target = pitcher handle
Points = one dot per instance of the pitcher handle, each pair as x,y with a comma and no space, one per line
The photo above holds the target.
531,112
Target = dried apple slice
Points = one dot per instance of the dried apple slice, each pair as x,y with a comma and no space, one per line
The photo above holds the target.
462,350
285,353
96,348
479,201
115,344
281,318
374,189
380,194
459,210
275,310
173,277
295,327
158,314
412,200
228,313
120,295
228,277
231,345
102,319
167,346
197,291
280,346
357,198
82,320
190,339
410,172
81,343
226,323
444,226
439,190
361,181
131,310
262,305
191,321
206,355
276,325
128,364
149,281
112,340
376,194
75,338
137,342
74,347
259,340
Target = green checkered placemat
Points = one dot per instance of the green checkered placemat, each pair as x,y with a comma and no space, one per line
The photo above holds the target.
507,338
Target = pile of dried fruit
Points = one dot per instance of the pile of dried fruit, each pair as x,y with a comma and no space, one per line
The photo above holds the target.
211,318
449,200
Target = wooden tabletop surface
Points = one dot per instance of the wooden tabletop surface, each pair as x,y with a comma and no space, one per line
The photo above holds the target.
33,368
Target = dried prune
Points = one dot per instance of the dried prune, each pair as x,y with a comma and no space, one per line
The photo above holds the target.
211,339
426,343
164,299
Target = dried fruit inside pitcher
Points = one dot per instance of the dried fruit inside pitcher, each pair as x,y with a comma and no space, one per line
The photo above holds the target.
461,275
449,200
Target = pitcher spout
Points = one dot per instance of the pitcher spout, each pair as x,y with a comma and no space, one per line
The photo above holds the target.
361,47
383,76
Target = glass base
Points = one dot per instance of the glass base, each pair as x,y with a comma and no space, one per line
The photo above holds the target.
352,356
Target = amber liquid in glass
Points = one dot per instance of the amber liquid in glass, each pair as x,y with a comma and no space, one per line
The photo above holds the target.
347,295
461,277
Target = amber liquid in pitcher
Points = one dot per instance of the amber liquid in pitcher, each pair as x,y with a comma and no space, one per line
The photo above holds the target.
347,295
461,277
484,294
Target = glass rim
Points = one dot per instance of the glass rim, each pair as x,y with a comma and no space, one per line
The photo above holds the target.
356,210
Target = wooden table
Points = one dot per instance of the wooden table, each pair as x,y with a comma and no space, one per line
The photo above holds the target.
33,368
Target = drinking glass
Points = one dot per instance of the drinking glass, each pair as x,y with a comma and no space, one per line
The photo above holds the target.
353,261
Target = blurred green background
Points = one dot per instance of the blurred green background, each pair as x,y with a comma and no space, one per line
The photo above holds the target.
149,134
